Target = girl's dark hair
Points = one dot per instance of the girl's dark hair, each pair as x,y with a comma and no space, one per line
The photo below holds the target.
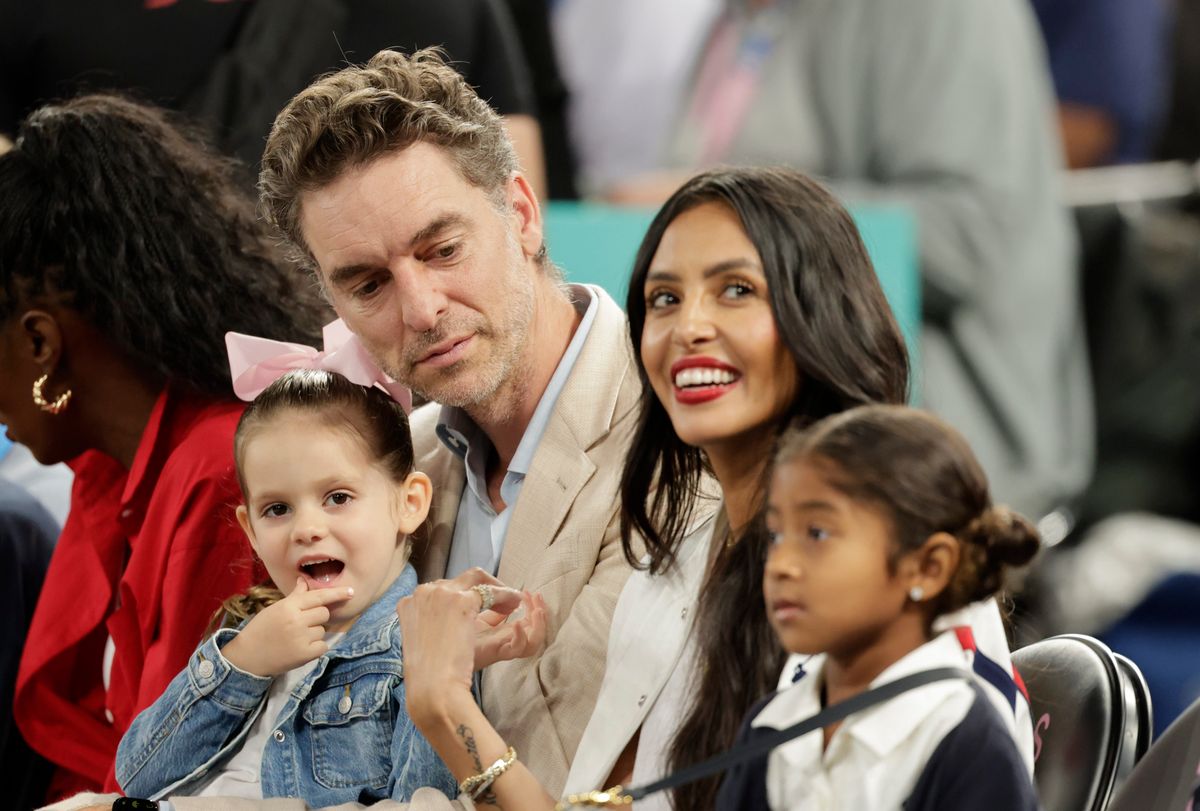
132,222
922,475
834,319
377,420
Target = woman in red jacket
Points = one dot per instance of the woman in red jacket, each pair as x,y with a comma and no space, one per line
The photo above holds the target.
125,256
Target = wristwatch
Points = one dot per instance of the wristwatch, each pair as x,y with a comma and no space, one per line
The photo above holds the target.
134,804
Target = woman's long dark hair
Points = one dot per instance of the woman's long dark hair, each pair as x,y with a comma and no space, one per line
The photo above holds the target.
128,219
834,319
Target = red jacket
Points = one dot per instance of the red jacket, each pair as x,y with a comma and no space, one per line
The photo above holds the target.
146,556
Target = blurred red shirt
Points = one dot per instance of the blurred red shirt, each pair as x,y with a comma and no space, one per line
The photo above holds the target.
146,557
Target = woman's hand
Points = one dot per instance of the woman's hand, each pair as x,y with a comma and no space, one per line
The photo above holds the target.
445,636
286,634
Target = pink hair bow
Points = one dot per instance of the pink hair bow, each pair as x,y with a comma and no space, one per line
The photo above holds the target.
255,363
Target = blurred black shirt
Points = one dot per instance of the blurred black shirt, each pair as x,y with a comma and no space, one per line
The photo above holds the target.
164,51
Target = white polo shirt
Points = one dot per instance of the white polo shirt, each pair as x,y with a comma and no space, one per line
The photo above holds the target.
875,757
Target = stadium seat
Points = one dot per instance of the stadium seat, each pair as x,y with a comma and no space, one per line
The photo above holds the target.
1078,700
1139,719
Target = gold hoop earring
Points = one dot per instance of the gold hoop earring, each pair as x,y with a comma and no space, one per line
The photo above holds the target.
57,406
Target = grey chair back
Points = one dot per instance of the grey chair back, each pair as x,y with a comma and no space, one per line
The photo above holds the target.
1077,701
1139,719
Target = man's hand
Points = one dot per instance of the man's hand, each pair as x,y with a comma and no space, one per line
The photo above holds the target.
498,641
287,634
440,625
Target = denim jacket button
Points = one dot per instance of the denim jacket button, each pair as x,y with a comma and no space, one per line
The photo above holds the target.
278,736
205,670
344,705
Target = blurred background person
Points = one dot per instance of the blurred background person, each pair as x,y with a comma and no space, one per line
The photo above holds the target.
1109,60
532,21
27,536
234,64
626,64
49,484
1181,131
126,253
1130,571
944,108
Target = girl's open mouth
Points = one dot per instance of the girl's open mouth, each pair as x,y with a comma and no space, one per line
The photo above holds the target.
321,571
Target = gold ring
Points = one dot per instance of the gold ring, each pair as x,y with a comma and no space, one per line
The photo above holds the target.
487,598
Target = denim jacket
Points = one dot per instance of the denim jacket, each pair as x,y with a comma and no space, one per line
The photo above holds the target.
323,749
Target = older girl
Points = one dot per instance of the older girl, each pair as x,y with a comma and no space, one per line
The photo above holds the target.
880,521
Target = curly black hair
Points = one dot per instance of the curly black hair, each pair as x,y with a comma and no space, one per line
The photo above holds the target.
123,214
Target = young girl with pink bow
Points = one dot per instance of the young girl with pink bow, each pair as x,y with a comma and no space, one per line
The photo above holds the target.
302,694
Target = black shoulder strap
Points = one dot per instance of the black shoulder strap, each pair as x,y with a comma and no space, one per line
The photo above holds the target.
830,715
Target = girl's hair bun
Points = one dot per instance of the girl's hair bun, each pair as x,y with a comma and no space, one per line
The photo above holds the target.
1001,539
1009,538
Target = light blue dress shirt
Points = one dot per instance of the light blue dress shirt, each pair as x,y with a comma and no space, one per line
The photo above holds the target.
479,530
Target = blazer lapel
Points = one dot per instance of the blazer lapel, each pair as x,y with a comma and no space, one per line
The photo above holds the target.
601,390
557,475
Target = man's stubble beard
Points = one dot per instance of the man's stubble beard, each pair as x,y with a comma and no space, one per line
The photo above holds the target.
493,392
507,373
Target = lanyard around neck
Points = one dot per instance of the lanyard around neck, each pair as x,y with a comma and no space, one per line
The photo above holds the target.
762,745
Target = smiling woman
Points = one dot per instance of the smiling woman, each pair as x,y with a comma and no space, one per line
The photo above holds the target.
755,280
125,255
709,334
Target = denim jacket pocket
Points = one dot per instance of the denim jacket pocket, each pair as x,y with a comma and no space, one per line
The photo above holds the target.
352,723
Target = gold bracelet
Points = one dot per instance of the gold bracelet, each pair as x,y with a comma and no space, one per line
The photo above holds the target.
612,797
477,784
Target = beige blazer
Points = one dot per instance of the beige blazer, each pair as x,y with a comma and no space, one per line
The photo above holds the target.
562,542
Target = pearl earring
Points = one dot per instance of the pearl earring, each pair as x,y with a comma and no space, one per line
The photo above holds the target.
916,594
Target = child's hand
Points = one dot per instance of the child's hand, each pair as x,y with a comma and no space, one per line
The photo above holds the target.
286,634
498,641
